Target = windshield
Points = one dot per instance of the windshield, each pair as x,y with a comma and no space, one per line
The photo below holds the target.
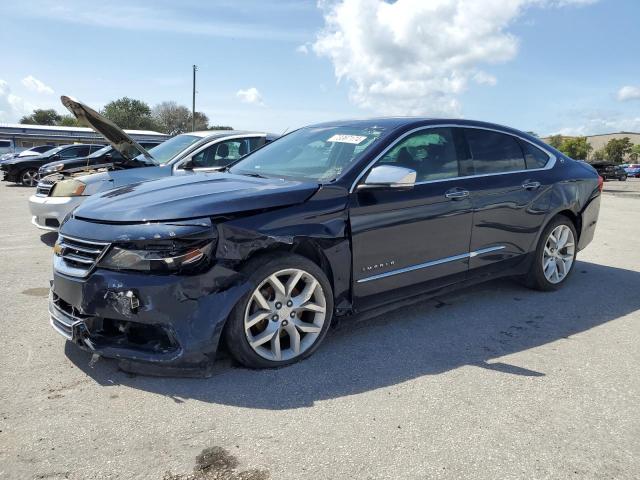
54,150
102,151
167,150
312,153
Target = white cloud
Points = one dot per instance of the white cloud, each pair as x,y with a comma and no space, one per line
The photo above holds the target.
483,78
250,95
598,125
304,49
12,107
629,92
35,85
415,56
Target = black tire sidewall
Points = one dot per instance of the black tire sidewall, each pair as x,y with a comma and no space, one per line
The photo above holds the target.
536,277
256,271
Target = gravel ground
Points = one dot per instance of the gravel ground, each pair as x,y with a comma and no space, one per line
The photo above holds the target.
497,383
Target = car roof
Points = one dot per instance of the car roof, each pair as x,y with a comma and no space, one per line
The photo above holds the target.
226,133
391,123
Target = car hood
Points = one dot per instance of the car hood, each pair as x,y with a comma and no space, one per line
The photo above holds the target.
102,181
192,196
118,139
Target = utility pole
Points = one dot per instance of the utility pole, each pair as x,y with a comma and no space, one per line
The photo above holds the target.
193,105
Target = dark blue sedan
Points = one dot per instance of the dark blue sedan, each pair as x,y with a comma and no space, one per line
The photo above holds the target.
327,221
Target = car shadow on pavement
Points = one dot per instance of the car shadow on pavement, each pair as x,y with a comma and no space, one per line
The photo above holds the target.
470,327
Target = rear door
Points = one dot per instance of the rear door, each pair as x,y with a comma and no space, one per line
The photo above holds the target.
510,191
404,238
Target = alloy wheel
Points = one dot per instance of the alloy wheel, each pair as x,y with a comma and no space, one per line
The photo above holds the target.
558,254
285,314
29,178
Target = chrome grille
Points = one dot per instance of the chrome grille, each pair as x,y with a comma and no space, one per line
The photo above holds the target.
63,316
45,185
77,257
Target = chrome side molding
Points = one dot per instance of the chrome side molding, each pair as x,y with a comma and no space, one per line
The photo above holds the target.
432,263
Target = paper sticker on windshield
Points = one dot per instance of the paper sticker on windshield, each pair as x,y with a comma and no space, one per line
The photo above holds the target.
355,139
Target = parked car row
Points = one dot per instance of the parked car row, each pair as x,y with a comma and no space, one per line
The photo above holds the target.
259,243
611,171
632,169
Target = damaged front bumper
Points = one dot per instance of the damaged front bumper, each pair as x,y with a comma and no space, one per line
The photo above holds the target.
169,321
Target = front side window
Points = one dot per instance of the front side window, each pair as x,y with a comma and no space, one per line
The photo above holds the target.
312,153
533,156
431,153
494,152
222,154
75,152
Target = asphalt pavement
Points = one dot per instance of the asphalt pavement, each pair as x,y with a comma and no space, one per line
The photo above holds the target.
495,382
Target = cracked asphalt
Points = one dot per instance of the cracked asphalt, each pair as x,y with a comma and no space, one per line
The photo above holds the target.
496,382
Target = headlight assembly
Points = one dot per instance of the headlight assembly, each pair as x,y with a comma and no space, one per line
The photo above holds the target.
158,260
54,168
68,188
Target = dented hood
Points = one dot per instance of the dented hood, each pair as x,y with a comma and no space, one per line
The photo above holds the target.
88,117
194,196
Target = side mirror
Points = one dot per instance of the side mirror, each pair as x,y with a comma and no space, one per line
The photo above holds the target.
55,157
187,165
389,176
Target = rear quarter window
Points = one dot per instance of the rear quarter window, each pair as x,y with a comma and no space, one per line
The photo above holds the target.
533,156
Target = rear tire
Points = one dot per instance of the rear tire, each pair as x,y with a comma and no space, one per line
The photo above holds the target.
554,256
285,315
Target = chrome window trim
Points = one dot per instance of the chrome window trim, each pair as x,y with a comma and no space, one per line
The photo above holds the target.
176,164
432,263
550,163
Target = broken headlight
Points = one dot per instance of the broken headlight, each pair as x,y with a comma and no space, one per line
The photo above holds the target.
68,188
158,259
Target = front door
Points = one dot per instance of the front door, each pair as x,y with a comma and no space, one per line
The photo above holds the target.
402,238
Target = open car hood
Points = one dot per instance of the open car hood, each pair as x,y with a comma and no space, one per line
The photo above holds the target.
192,196
88,117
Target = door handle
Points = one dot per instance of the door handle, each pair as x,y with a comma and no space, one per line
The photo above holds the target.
531,185
456,194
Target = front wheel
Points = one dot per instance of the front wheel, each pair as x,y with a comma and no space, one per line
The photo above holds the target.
554,256
285,315
29,177
623,178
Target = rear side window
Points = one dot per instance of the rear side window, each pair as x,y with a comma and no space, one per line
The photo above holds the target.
494,152
430,152
533,156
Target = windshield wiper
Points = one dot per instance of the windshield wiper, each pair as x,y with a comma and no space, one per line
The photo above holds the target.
252,174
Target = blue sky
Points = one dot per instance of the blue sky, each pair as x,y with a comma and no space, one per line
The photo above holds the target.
568,66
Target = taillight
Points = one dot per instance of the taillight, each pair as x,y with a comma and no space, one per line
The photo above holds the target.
600,183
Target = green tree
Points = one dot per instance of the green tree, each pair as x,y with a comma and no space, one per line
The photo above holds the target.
220,127
555,141
202,121
635,152
599,155
68,121
42,117
617,148
576,147
172,118
533,134
130,113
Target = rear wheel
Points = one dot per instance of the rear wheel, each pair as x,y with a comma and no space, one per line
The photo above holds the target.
284,317
29,177
623,178
554,256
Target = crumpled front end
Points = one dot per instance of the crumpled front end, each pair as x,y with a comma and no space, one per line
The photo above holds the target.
165,316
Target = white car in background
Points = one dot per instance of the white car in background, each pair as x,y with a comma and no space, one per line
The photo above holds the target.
210,150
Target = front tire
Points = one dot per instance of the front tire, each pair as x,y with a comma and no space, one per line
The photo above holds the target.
29,177
554,256
285,315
